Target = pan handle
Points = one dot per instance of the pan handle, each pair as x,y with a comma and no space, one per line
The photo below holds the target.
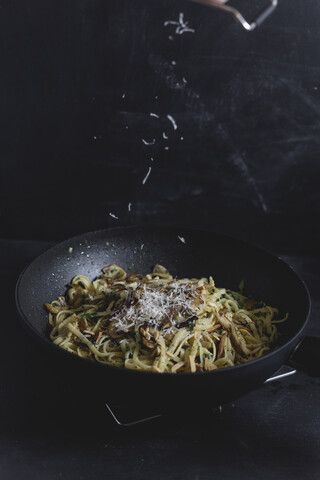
306,356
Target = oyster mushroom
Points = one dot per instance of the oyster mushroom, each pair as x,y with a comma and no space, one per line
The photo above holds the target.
147,338
57,305
159,269
113,332
237,339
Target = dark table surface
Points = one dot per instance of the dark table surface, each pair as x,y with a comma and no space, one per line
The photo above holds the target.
47,432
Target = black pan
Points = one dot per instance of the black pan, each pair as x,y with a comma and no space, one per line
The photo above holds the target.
204,253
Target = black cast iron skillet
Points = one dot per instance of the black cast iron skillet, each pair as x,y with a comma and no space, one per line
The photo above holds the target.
204,253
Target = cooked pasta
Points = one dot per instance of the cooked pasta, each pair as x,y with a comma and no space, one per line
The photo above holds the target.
161,324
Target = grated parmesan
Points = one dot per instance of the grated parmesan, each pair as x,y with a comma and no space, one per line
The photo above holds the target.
149,143
172,120
155,307
146,177
182,25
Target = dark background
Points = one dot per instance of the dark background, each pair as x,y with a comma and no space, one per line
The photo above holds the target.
249,113
71,152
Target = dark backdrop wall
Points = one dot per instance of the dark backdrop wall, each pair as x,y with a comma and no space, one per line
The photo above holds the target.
79,80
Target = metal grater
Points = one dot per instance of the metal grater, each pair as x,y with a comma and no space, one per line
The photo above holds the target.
260,18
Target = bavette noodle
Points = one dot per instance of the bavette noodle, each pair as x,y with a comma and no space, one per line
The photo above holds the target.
159,323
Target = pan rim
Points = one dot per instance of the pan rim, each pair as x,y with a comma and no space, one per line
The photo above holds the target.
55,348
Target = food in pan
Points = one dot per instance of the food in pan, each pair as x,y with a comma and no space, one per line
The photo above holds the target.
159,323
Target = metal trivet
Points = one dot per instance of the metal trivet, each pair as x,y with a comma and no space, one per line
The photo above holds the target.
260,18
117,411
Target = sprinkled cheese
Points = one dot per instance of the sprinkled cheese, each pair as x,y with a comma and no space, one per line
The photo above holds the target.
155,306
113,215
182,239
172,120
154,115
182,25
149,143
146,177
129,207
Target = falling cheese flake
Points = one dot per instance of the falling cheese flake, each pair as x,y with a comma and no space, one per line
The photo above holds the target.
113,215
151,159
172,120
146,177
129,207
184,80
165,136
142,245
123,95
149,143
166,148
182,25
182,239
154,115
70,250
173,62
